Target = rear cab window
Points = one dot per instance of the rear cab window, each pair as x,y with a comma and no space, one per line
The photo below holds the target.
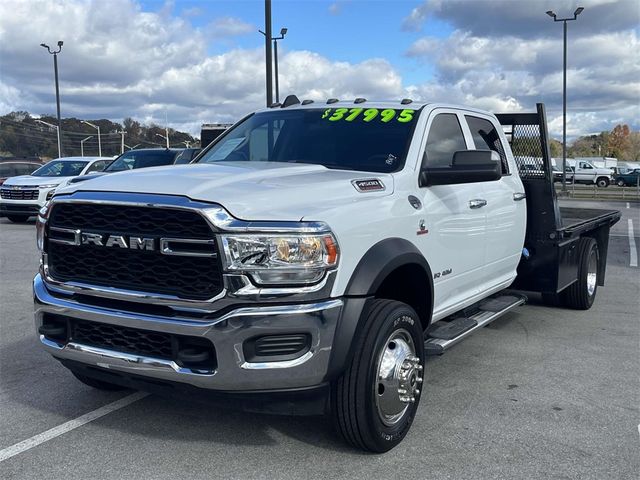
485,137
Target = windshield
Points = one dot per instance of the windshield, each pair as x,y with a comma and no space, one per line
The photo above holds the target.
59,168
141,159
365,139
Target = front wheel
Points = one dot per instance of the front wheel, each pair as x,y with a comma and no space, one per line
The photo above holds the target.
375,400
602,182
581,294
620,182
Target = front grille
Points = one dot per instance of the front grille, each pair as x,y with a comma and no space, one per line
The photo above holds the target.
119,219
186,351
18,209
9,194
192,278
122,339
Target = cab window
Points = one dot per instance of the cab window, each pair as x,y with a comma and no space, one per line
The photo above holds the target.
485,136
445,138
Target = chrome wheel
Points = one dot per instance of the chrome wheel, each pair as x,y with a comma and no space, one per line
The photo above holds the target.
398,377
592,273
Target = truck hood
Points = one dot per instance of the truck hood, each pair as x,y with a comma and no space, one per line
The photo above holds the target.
31,181
248,190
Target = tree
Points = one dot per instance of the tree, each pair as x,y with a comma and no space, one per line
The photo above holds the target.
132,127
633,150
619,141
556,148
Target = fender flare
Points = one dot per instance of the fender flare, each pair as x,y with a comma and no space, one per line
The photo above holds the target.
376,264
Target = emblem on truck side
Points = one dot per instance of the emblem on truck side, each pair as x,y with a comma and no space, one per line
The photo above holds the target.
368,185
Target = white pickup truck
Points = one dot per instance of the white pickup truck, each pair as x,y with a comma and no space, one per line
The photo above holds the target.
586,172
311,259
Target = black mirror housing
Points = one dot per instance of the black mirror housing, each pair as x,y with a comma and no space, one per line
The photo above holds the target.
468,166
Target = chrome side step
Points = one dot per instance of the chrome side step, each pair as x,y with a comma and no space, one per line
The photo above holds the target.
484,312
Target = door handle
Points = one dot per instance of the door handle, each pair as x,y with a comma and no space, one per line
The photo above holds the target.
477,203
519,196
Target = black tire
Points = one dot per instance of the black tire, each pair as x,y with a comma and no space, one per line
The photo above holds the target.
98,384
602,182
18,218
620,182
355,395
579,295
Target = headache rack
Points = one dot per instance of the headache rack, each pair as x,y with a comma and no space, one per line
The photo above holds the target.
549,263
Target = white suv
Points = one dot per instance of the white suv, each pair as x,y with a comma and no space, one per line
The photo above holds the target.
21,197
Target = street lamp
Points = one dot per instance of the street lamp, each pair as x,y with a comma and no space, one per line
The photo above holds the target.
82,145
50,125
166,137
283,32
97,128
55,70
553,15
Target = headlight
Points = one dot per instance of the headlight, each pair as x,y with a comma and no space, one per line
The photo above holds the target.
281,259
48,186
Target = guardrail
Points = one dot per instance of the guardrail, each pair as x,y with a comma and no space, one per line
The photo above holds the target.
612,192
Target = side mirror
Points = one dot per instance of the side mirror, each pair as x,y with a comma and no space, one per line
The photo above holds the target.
468,166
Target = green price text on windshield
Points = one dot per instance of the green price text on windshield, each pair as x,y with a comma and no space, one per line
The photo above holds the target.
368,115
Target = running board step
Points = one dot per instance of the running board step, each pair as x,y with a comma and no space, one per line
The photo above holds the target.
446,333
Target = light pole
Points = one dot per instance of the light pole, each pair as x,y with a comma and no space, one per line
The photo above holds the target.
564,21
82,145
283,32
187,143
166,137
122,132
134,147
50,125
97,128
267,50
55,71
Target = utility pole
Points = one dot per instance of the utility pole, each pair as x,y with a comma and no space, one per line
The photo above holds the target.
55,71
166,137
553,15
267,50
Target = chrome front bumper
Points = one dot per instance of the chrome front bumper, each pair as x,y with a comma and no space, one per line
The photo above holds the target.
227,333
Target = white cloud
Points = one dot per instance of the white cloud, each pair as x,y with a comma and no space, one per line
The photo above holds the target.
229,26
119,61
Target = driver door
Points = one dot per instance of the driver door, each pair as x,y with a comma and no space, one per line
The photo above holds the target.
455,219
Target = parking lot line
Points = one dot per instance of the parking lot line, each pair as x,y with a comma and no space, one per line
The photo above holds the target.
54,432
633,254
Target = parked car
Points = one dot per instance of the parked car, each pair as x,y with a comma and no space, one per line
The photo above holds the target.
14,169
315,272
557,174
22,196
628,179
143,158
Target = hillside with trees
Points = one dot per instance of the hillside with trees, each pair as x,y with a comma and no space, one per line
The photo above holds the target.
620,143
22,135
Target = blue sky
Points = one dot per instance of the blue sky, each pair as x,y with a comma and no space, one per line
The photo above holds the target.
350,31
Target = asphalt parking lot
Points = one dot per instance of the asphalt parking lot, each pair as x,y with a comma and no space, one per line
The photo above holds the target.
540,393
